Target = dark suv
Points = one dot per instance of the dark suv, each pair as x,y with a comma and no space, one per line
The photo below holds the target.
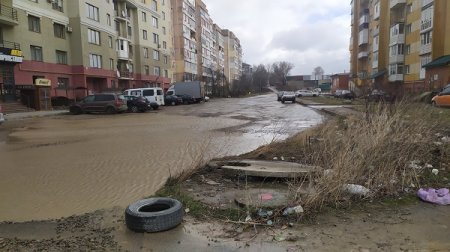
108,103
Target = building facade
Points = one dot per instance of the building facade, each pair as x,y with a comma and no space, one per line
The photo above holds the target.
97,46
392,42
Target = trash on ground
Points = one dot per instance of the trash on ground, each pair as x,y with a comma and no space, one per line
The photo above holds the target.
264,213
210,182
266,196
187,210
435,171
436,196
269,222
248,218
279,238
356,189
291,210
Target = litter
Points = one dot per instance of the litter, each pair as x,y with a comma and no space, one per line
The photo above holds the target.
291,210
356,189
266,197
436,196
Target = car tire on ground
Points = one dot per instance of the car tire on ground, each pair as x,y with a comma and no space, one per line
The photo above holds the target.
110,110
173,103
134,109
282,101
433,103
154,215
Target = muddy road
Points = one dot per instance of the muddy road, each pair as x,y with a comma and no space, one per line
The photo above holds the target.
53,167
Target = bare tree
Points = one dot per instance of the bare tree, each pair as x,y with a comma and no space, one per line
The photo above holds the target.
281,70
260,77
318,73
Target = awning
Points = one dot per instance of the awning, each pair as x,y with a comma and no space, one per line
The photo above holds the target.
377,74
441,61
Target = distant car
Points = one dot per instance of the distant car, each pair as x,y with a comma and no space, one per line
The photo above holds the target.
187,99
378,95
107,103
442,99
347,94
2,118
306,93
279,94
337,93
172,100
288,96
137,103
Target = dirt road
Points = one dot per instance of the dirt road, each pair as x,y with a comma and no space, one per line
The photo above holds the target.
54,167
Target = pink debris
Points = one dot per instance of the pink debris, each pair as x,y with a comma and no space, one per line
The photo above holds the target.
436,196
266,197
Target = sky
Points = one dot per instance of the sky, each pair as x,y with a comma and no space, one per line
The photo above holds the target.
307,33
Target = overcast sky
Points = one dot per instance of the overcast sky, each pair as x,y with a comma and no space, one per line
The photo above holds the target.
307,33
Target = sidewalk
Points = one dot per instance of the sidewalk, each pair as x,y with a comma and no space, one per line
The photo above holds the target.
32,114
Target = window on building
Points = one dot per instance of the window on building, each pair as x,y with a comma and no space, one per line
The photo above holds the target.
92,12
61,57
164,30
93,36
165,59
144,34
166,73
34,24
95,60
407,71
144,16
110,42
36,53
156,71
408,49
63,83
408,8
147,70
59,30
130,31
426,38
108,19
145,52
163,15
154,5
154,22
408,28
111,64
155,38
164,44
58,5
155,55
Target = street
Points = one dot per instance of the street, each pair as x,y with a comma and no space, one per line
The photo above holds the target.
58,166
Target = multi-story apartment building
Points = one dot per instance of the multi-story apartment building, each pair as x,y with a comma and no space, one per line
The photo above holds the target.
392,44
97,46
205,45
233,56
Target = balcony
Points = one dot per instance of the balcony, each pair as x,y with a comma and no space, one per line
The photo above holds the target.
395,77
426,2
375,32
364,19
125,75
123,55
396,3
397,34
363,37
363,54
424,49
374,64
8,16
9,45
399,58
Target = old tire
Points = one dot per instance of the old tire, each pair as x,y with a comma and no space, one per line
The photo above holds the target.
154,215
134,109
173,103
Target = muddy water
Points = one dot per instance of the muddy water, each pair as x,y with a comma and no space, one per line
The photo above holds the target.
60,166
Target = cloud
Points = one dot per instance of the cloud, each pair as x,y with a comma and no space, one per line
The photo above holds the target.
307,33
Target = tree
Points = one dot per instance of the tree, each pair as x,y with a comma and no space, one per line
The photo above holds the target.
318,73
281,71
260,77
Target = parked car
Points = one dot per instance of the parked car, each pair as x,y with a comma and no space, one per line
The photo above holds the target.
137,103
288,96
108,103
279,94
442,99
337,93
187,99
172,100
154,94
2,118
306,93
379,95
347,94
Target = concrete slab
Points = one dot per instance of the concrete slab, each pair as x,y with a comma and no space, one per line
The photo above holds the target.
270,198
269,169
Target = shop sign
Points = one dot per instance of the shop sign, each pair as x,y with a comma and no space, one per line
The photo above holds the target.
10,58
43,82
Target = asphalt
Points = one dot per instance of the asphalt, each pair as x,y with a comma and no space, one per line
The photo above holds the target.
33,114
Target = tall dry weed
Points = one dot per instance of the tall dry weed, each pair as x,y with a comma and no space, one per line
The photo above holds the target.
374,153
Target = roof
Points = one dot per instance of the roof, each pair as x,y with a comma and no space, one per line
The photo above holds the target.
377,74
441,61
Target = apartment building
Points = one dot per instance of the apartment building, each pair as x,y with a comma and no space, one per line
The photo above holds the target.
97,46
233,56
393,48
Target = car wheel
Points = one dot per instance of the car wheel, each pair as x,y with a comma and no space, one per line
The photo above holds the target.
75,110
134,109
433,103
110,110
173,103
154,215
282,101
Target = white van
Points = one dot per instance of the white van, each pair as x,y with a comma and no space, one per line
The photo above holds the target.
154,94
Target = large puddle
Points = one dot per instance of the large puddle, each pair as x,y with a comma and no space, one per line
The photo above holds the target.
56,167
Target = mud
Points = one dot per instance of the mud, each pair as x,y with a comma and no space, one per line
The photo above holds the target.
58,166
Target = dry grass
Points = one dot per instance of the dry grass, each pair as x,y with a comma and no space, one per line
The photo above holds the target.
375,153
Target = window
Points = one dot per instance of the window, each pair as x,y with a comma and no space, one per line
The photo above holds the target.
154,5
36,53
155,55
110,42
63,83
165,59
408,28
95,60
144,34
130,31
144,16
148,92
426,38
166,73
154,22
147,70
408,49
163,15
61,57
155,38
407,69
145,52
108,19
408,8
164,30
156,71
57,5
164,44
93,36
59,30
111,64
92,12
34,24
